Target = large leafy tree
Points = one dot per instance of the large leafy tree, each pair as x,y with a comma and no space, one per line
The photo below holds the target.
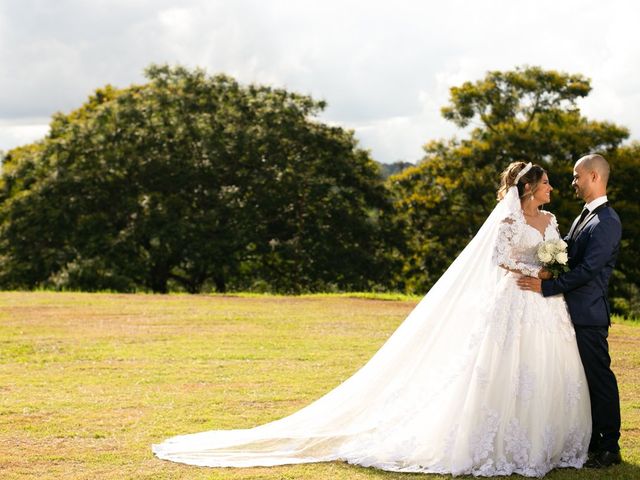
193,180
623,192
526,114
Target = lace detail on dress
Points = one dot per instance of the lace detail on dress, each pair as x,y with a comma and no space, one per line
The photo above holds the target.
574,387
525,383
573,452
515,249
547,442
553,224
482,441
517,443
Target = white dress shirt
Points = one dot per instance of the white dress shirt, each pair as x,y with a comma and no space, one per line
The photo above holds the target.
593,204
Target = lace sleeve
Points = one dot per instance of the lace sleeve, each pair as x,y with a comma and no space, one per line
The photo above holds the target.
503,255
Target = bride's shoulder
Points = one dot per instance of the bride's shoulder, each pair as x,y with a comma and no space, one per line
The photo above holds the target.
549,215
511,218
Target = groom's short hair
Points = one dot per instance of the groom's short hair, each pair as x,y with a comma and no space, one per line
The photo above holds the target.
598,163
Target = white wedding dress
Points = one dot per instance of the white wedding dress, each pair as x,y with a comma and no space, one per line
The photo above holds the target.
481,378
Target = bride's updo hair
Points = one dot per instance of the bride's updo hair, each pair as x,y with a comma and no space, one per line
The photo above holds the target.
508,178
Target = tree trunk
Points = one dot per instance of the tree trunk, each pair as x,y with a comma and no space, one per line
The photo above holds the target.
221,286
158,279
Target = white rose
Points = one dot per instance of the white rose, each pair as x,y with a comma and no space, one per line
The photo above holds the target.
545,257
552,249
562,258
560,244
543,248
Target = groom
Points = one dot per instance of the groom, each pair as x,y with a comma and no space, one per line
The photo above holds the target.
593,244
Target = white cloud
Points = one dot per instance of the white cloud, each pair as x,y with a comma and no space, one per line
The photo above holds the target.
15,135
384,67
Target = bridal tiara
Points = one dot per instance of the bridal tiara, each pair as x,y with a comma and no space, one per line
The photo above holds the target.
522,173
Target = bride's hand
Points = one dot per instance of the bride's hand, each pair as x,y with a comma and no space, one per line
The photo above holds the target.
545,274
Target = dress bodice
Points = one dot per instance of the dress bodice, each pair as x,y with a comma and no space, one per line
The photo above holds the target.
517,243
525,250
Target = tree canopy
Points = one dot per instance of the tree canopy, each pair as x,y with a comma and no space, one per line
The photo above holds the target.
623,192
192,180
527,114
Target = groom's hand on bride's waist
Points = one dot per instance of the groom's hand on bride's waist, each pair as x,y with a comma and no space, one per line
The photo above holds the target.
545,274
530,283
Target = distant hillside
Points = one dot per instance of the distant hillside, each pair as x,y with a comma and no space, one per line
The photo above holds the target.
388,169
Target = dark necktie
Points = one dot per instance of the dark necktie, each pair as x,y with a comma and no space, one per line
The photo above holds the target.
583,215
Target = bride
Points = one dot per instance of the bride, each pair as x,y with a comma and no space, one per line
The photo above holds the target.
481,378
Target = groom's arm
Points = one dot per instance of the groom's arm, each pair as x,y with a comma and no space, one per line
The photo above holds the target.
603,241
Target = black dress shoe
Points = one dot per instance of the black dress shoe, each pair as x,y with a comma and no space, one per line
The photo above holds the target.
603,459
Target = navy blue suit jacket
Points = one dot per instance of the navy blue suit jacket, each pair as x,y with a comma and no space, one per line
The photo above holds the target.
592,256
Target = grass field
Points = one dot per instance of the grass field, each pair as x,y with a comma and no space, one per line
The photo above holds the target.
89,381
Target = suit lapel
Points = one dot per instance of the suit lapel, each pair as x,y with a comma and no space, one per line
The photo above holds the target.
570,235
579,228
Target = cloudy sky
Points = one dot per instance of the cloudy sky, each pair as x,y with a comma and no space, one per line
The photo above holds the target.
384,67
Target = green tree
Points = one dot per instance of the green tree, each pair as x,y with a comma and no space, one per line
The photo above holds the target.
188,181
526,114
624,190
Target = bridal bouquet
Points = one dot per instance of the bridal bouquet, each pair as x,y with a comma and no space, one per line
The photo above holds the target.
553,255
